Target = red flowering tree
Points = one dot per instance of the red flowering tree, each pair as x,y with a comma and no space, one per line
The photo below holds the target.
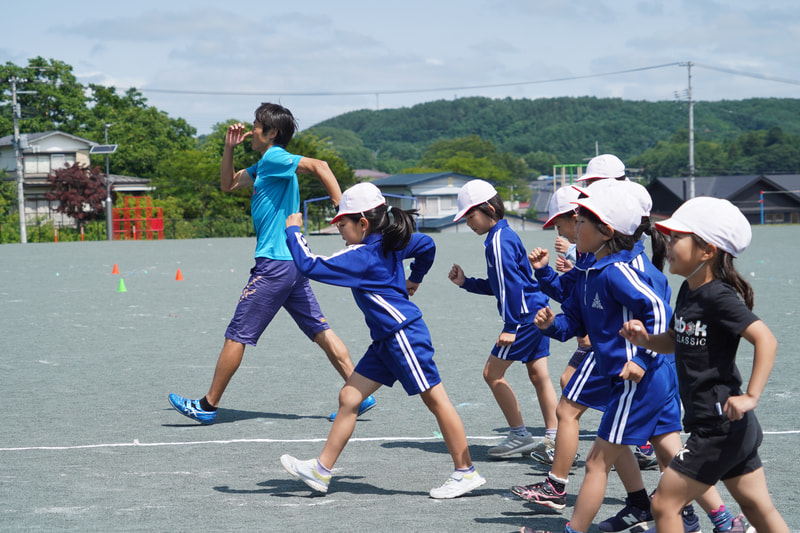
80,191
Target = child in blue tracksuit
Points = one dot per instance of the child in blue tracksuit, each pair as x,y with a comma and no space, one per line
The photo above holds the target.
510,280
643,402
379,238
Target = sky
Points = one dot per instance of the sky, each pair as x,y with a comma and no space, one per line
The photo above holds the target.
210,61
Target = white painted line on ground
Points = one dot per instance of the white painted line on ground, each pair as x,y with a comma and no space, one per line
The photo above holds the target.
136,442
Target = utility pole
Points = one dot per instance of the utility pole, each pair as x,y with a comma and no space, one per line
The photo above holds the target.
109,203
691,135
17,113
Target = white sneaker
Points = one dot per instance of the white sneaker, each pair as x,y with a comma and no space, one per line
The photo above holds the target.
306,471
457,484
513,445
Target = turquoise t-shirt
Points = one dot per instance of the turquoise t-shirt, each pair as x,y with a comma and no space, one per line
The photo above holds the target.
276,195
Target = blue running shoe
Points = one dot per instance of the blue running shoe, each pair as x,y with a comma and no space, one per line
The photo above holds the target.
365,406
192,409
691,524
630,519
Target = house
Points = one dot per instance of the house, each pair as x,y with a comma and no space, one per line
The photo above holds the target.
44,153
762,198
435,195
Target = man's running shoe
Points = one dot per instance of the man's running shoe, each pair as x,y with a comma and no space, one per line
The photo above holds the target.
542,493
691,523
457,484
646,457
630,519
192,409
306,471
513,445
739,525
546,458
365,406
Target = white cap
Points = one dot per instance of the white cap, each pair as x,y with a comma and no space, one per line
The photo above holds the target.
614,206
638,191
357,199
561,203
715,220
606,166
474,192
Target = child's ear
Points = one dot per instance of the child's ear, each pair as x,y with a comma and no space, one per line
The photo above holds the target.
608,233
709,251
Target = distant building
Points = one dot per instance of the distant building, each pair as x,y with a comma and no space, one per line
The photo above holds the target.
436,197
44,153
781,195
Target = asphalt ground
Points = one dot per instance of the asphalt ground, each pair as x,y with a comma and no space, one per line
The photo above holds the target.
89,442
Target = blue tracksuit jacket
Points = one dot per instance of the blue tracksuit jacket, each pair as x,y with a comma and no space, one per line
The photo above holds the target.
510,278
617,288
378,283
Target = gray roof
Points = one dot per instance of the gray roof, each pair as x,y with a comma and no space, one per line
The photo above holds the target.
31,137
729,186
717,186
414,179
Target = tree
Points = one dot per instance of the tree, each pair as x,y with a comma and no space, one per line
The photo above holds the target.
145,136
80,192
57,103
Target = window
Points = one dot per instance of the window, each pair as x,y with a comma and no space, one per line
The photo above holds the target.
44,163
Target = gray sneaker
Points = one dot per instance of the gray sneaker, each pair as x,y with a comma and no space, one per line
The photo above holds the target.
545,445
513,445
546,458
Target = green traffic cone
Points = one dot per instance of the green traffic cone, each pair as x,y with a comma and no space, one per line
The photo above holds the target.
121,287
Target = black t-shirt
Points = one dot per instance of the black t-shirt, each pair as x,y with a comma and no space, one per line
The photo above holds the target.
708,322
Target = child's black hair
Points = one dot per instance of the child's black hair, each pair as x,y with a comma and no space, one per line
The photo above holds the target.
658,242
497,210
395,224
277,117
724,269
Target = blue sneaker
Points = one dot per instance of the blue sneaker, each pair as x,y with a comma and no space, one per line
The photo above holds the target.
691,524
192,409
630,519
365,406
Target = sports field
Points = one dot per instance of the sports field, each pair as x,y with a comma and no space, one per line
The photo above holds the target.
89,442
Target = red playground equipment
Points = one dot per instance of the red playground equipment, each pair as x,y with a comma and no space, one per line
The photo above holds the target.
138,220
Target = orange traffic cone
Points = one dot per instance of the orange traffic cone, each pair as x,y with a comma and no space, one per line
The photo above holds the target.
115,270
179,276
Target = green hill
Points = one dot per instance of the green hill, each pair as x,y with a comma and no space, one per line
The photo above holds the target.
567,128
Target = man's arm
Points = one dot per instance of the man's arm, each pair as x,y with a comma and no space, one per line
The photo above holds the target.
229,180
320,168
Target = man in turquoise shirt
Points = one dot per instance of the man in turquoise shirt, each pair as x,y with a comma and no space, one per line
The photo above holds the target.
274,280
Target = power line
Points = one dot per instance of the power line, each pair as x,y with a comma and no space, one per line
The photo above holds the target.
406,91
748,74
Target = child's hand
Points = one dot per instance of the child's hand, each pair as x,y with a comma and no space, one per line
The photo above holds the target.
632,372
506,339
563,264
456,275
561,245
538,258
236,134
634,332
544,318
737,406
295,219
411,287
